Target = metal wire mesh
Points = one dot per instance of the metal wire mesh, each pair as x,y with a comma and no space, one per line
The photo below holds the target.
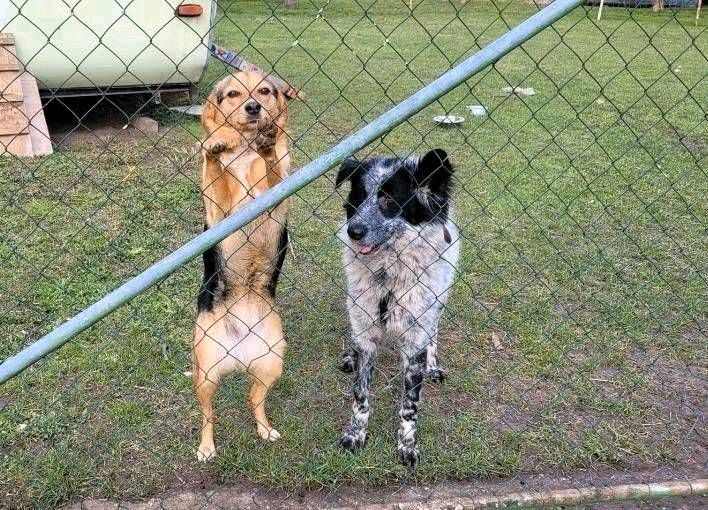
574,335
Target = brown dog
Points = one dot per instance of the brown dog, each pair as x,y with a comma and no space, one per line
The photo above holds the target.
238,329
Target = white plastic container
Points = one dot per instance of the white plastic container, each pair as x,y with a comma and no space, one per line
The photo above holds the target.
477,110
118,44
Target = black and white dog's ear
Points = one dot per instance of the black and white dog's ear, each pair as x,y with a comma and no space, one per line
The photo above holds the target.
349,169
434,171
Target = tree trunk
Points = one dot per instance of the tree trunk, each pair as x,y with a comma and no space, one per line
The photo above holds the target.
657,5
290,4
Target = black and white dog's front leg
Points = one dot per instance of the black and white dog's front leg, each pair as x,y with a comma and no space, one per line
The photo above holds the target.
414,367
429,322
364,347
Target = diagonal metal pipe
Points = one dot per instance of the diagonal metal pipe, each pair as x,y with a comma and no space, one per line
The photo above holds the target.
381,125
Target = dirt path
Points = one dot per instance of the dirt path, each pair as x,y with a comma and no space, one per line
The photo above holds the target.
430,496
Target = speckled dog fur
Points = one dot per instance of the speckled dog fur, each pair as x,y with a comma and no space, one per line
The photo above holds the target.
400,256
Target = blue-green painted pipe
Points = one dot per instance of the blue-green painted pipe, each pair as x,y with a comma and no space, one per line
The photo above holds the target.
159,271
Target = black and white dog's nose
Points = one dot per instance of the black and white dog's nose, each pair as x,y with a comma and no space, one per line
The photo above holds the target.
356,231
253,108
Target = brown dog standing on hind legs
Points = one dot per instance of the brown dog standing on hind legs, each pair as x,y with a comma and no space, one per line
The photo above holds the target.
238,329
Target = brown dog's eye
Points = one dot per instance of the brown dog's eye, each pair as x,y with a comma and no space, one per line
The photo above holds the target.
265,91
234,93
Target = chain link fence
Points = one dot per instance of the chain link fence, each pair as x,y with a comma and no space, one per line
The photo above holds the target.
574,337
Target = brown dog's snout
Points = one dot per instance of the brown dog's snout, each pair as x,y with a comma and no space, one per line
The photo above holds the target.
253,108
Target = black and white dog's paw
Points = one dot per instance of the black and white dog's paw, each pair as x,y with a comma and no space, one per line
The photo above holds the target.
436,374
348,361
409,456
352,440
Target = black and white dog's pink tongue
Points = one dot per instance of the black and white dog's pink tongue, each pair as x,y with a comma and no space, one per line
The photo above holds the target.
365,248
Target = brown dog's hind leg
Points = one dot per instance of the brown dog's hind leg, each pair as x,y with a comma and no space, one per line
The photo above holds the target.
264,373
205,386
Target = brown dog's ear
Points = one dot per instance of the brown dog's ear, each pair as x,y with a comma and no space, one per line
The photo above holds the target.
282,104
209,113
220,89
211,107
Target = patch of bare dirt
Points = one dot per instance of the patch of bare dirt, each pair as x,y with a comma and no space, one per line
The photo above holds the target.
248,496
93,120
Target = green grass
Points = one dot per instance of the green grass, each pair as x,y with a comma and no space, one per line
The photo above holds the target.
583,212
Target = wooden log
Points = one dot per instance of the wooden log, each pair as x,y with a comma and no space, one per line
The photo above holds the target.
23,128
38,130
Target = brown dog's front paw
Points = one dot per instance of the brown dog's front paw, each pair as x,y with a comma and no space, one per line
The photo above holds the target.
206,452
265,141
214,145
268,433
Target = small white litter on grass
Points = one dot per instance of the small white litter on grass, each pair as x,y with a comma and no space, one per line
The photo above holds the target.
188,373
496,341
21,427
520,91
477,110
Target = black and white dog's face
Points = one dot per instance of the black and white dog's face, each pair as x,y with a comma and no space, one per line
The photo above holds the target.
388,195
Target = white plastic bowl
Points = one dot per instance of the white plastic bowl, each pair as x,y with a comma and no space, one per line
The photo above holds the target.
449,120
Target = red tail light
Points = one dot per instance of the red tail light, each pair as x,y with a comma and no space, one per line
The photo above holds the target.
190,10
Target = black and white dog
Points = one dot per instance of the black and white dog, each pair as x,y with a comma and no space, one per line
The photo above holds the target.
400,255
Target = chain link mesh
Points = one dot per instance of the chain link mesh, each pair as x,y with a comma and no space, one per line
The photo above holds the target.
574,336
